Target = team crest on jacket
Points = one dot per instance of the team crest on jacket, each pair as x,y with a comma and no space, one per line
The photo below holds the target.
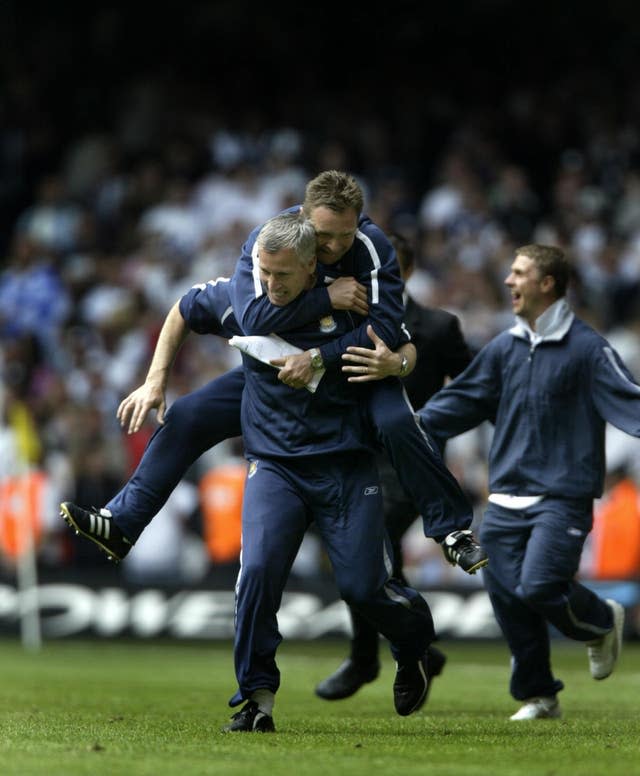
253,468
327,324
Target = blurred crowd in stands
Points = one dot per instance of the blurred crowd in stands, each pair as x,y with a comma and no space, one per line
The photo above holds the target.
106,226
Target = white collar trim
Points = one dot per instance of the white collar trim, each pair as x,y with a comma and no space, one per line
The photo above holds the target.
551,326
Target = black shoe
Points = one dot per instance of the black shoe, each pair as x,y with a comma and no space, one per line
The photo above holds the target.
435,661
460,548
347,680
411,685
98,527
250,720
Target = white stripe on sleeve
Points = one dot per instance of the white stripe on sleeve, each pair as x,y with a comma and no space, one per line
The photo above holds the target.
257,285
375,259
612,359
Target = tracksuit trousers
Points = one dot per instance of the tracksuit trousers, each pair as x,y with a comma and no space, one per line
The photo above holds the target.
341,494
535,554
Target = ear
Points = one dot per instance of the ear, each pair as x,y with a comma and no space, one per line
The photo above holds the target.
548,284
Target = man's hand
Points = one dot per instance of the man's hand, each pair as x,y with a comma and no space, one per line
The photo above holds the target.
347,294
134,409
367,364
295,370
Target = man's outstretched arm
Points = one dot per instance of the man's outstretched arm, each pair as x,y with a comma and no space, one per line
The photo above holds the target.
133,410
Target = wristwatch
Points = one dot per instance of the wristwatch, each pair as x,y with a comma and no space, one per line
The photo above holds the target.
316,359
404,366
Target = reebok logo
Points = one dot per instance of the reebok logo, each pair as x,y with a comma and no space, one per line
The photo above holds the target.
371,490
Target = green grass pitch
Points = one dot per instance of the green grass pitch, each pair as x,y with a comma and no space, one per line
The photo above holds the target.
96,707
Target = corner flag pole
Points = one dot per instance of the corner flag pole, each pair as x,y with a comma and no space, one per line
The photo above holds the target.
27,573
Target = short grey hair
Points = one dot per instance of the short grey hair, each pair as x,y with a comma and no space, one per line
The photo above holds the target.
289,230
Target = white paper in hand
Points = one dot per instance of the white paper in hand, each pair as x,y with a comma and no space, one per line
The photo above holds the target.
267,348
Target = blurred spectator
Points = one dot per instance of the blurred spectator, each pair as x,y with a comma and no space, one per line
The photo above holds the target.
33,298
514,203
173,222
53,222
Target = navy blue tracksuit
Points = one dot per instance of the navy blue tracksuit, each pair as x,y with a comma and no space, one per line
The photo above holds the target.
549,396
312,459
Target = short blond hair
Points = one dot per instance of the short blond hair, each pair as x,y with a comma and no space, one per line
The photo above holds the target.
336,190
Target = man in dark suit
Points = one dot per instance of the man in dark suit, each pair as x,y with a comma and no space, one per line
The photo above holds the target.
441,353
